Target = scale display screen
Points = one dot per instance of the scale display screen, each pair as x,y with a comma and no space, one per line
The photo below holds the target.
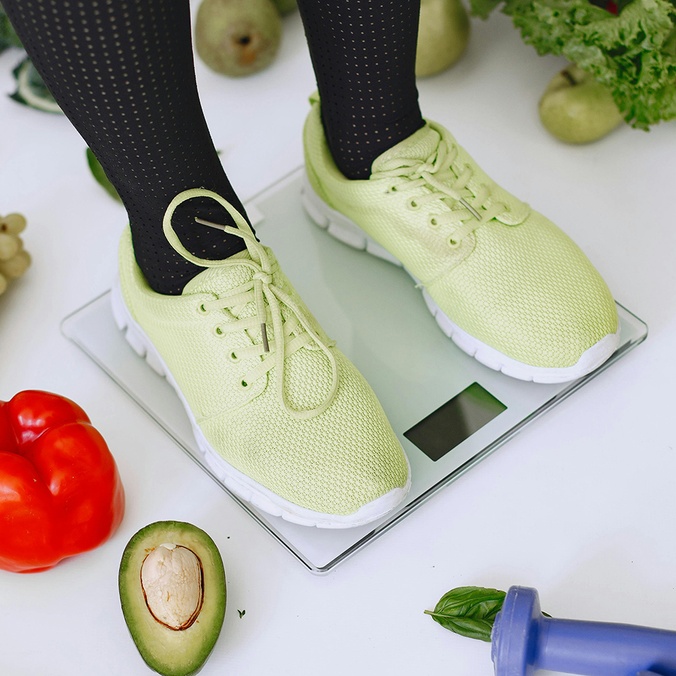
454,421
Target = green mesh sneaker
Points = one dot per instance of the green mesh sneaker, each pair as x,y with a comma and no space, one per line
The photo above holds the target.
502,281
282,417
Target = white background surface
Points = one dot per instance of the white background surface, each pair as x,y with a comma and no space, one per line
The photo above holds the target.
581,505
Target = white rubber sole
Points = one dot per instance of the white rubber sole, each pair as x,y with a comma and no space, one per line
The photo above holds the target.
348,232
235,481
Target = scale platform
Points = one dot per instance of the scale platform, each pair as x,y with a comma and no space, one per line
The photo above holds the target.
380,320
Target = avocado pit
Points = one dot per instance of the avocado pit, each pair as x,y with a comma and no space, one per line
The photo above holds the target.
172,580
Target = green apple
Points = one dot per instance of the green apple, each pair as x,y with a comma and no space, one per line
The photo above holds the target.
237,37
443,34
576,108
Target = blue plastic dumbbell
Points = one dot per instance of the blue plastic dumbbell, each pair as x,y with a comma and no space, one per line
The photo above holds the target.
524,640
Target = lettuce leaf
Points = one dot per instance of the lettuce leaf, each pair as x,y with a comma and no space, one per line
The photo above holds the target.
633,54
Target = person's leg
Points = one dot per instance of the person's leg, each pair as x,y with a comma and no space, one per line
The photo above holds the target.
123,74
282,417
363,54
504,282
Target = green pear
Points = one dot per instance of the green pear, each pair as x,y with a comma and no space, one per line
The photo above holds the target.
285,6
576,108
237,37
443,34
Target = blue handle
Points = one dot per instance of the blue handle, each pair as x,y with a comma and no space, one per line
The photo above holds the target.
524,640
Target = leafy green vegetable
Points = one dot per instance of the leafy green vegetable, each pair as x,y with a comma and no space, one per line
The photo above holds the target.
100,175
633,53
8,38
31,90
482,8
469,611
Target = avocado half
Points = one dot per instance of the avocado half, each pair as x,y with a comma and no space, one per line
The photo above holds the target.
173,593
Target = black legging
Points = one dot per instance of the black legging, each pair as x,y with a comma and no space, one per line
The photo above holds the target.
123,73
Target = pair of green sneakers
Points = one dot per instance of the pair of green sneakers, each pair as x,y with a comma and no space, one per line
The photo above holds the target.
282,417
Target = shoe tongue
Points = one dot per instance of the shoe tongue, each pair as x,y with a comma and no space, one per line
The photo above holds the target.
221,279
419,146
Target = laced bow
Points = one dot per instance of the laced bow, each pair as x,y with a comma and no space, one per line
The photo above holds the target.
291,330
467,210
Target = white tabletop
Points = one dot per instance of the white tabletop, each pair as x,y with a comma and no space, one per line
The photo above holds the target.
580,505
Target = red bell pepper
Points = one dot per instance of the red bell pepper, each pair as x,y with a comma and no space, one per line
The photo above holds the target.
60,491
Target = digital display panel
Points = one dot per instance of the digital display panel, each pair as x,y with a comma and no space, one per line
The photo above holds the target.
454,421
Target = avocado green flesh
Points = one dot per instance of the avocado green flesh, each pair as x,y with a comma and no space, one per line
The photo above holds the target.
173,652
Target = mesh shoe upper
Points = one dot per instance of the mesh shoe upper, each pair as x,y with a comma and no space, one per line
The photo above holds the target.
499,270
298,419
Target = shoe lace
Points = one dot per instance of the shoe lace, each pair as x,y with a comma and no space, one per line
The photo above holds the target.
446,182
291,329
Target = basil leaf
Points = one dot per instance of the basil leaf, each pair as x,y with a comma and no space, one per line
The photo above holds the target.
100,175
469,611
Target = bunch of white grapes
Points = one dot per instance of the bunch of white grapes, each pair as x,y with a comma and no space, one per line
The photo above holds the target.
13,258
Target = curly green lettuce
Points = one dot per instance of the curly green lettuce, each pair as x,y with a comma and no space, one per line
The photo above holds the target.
633,53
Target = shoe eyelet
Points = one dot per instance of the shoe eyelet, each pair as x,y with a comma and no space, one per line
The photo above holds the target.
413,205
218,331
201,309
233,357
244,384
433,221
453,243
392,188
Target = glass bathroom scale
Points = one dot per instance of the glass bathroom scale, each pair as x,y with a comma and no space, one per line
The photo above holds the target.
448,410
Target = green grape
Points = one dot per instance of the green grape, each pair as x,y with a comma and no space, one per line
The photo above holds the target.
9,246
13,224
16,266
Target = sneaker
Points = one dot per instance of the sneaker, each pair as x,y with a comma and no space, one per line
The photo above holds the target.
509,287
282,417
